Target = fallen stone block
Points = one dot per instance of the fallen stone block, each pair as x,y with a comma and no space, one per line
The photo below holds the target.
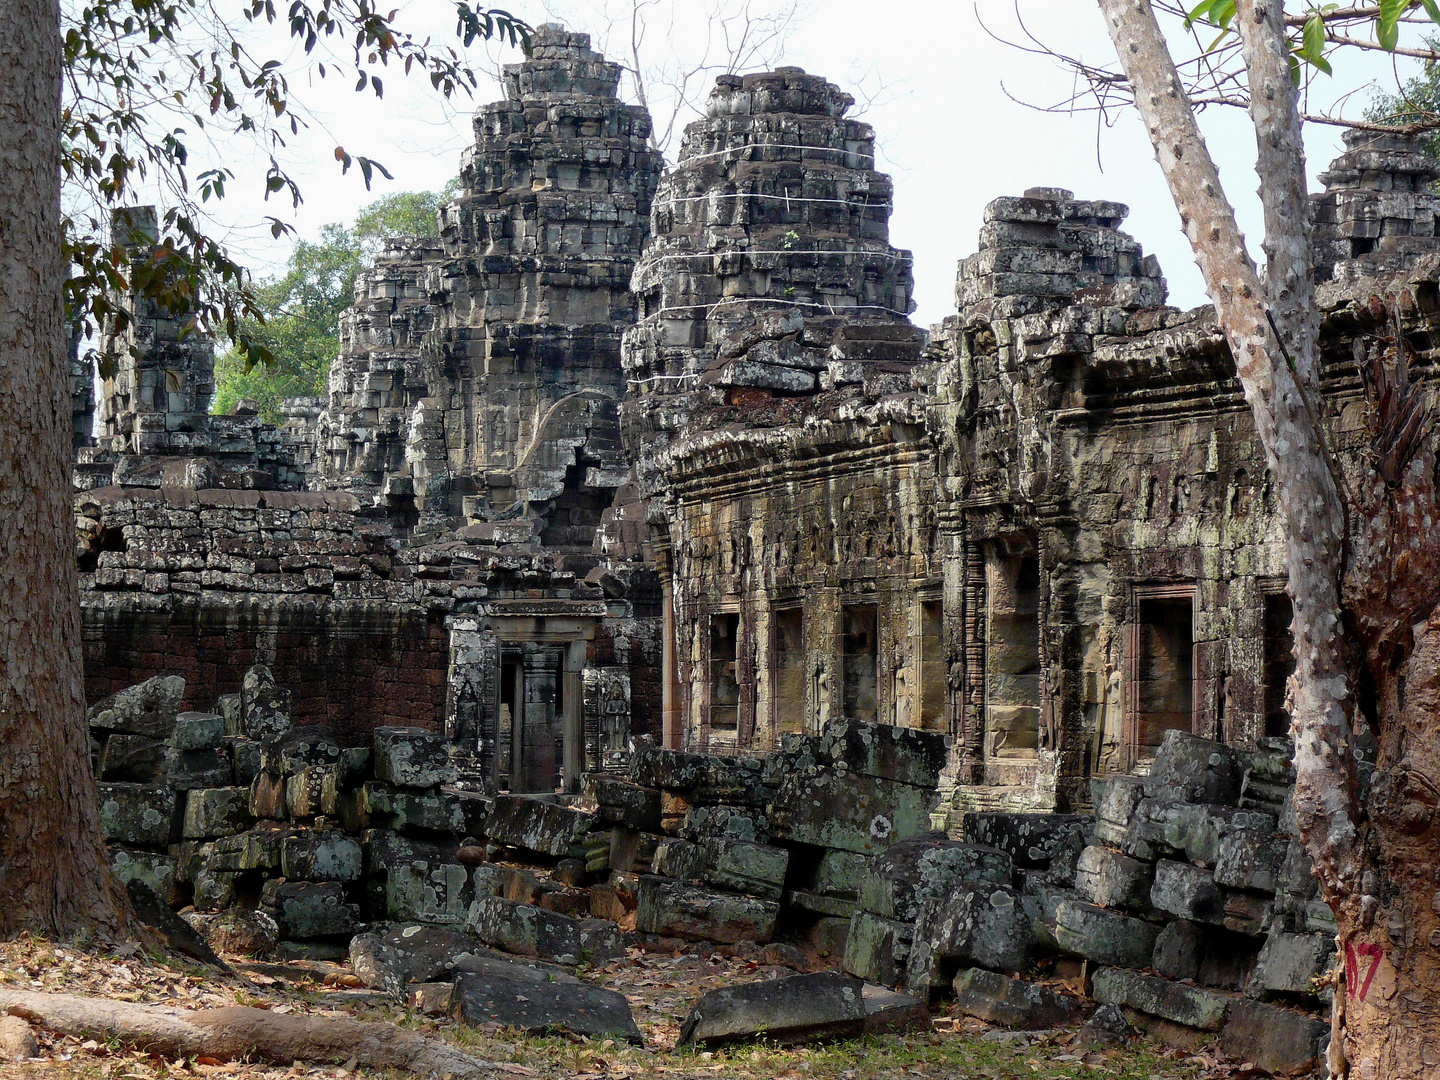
214,889
525,930
600,942
311,855
189,770
704,778
428,892
1191,830
1246,913
864,814
312,791
133,758
304,909
677,909
401,955
412,758
1180,1003
255,849
1115,804
147,708
267,797
622,803
136,814
1292,964
386,848
1013,1003
1104,936
904,755
1179,949
537,825
518,1001
299,749
910,871
890,1013
754,869
237,930
1187,891
1250,859
1042,899
198,731
724,822
156,871
678,859
633,852
412,811
878,949
1283,1041
264,707
1031,840
211,812
1189,769
840,873
821,904
244,759
1110,879
801,1008
975,926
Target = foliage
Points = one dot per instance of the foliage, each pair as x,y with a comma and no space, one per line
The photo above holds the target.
147,81
1415,101
301,308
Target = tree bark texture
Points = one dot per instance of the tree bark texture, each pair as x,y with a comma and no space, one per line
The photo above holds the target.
236,1033
54,870
1365,598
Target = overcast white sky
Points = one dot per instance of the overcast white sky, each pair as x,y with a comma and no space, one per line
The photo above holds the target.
946,129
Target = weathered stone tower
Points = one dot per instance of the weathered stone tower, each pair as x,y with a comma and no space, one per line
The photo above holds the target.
773,214
481,378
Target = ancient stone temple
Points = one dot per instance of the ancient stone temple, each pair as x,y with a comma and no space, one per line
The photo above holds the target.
480,377
619,455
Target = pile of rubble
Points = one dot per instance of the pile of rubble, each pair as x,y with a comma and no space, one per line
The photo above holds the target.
1189,898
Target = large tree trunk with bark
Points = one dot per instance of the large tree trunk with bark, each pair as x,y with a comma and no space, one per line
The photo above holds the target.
54,871
1363,595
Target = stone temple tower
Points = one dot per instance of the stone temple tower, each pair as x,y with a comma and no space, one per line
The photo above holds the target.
774,214
480,379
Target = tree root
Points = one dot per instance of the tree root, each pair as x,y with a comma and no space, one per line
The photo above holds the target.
237,1033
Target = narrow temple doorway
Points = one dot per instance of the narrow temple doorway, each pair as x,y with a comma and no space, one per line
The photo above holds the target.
1279,662
1162,657
537,725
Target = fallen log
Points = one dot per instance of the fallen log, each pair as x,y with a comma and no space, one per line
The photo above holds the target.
237,1033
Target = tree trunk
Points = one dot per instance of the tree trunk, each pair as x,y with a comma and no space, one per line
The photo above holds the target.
236,1033
54,870
1377,863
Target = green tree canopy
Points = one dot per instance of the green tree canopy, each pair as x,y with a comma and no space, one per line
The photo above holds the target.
302,307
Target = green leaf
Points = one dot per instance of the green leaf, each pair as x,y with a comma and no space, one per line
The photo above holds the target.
1432,9
1387,23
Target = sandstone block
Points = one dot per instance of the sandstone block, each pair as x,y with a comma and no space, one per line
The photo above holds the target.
412,758
825,1005
1012,1003
678,859
863,814
267,797
755,869
136,813
428,892
1104,936
156,871
1193,1006
133,758
626,804
975,926
1110,879
211,812
188,770
518,1001
1250,859
198,731
304,909
908,872
1291,964
1031,840
1187,891
1283,1041
536,825
264,707
147,708
903,755
689,911
412,811
311,855
525,930
1179,949
1189,769
729,822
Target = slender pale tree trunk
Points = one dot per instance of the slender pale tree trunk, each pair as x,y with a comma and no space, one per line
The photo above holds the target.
1361,601
54,871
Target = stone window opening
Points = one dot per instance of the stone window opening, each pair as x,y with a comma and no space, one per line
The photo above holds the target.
788,684
860,649
1162,666
724,681
1279,663
933,669
1012,655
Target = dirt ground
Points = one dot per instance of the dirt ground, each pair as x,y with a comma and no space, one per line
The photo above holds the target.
660,989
